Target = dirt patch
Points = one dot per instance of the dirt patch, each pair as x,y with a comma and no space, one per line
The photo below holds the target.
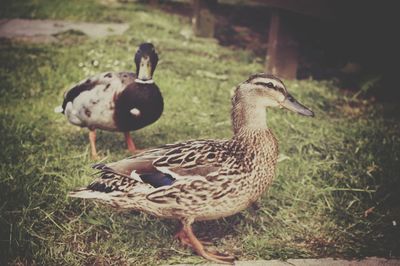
45,31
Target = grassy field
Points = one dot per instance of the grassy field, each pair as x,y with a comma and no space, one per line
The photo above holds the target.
334,167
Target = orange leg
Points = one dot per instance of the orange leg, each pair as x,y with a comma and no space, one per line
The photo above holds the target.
181,235
187,237
183,238
92,139
129,142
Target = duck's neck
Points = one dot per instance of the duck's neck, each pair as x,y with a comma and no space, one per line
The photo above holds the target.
248,115
149,81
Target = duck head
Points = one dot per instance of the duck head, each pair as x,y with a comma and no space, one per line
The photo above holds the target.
258,92
146,60
271,91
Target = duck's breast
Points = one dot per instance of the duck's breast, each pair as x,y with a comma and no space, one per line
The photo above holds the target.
138,106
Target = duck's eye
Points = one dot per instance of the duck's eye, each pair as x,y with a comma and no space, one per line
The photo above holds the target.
269,84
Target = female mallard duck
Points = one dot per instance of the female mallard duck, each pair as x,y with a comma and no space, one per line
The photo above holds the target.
202,179
122,101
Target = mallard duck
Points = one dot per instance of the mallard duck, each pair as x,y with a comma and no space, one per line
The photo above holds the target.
123,101
202,179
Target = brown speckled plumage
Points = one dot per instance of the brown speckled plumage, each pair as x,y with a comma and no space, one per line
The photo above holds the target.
200,179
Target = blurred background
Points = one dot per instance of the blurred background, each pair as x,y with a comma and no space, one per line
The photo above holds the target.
337,189
351,42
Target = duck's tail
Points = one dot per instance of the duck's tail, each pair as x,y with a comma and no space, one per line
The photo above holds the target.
114,188
85,193
116,199
59,109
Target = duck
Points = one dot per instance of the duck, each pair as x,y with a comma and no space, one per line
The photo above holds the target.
206,179
116,101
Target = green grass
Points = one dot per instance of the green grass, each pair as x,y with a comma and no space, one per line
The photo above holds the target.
339,164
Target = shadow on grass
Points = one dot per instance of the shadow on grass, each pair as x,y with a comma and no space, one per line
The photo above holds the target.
366,208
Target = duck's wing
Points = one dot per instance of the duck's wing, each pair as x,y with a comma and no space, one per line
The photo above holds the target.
112,80
172,162
182,172
162,166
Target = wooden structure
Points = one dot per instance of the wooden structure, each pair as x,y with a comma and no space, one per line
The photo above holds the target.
282,49
203,20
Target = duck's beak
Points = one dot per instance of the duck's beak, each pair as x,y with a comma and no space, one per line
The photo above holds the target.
145,68
293,105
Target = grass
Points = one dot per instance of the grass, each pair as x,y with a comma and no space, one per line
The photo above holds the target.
334,167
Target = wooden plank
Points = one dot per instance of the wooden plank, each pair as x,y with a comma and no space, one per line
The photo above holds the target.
272,43
203,20
282,49
322,9
153,3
